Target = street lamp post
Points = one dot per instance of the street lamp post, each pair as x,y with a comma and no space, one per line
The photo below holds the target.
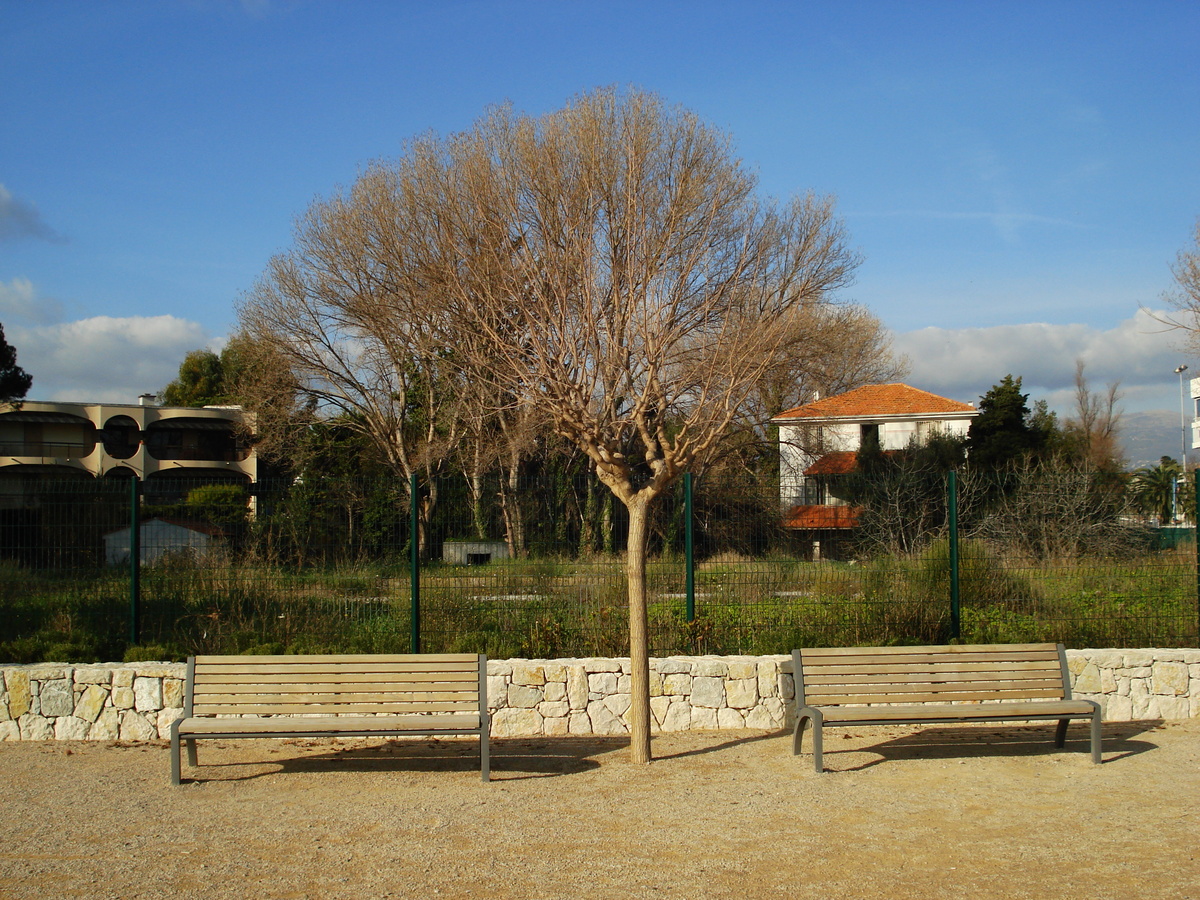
1179,370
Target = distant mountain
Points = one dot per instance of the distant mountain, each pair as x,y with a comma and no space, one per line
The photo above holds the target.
1148,436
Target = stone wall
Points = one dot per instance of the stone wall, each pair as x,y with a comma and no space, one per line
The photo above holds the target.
139,701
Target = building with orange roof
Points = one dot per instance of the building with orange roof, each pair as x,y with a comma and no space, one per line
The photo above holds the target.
819,442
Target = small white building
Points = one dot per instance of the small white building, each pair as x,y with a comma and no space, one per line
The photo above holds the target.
159,538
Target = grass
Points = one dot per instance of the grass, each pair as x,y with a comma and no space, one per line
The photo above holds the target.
555,607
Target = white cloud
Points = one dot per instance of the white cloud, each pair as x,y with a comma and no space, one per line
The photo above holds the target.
1140,353
20,219
104,358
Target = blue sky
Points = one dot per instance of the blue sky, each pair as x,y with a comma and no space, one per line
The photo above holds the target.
1018,176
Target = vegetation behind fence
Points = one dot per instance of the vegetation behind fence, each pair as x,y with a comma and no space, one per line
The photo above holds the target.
325,564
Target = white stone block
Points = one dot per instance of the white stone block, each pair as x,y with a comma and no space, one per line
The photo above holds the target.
677,685
730,718
579,723
497,689
71,728
1173,708
708,692
678,717
56,698
135,728
516,722
577,687
741,669
658,709
593,665
555,692
704,719
557,710
107,726
618,704
710,668
35,728
522,697
165,718
528,675
602,719
147,694
10,731
741,694
603,683
1171,679
672,666
557,727
90,702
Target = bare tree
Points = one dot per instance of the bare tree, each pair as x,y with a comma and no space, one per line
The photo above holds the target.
1097,423
356,335
611,264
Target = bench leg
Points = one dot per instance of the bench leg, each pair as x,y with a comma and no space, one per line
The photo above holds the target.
1060,733
1096,735
175,774
485,760
191,750
803,720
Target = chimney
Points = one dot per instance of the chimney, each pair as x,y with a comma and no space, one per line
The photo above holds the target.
148,400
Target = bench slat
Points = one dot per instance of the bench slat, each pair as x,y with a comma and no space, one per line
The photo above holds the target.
927,697
339,725
946,674
431,660
918,714
921,659
899,689
937,650
323,709
463,688
294,697
402,678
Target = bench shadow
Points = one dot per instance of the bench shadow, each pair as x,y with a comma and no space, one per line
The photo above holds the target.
1119,740
511,759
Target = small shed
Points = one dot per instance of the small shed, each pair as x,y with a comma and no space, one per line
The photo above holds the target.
159,538
473,553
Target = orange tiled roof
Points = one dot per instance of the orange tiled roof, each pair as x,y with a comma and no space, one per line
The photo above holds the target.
820,517
840,462
878,400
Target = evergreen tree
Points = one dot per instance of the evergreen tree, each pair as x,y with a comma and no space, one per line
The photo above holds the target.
14,381
1002,435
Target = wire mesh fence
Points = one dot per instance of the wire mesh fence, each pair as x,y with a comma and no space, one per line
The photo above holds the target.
110,569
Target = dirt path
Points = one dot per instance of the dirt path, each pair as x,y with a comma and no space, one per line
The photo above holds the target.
972,812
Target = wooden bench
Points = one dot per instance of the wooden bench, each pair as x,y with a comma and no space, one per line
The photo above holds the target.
916,685
332,696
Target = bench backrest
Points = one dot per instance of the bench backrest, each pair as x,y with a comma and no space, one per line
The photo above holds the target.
944,674
336,684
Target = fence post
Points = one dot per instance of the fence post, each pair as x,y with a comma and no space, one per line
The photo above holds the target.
689,555
414,564
952,509
135,560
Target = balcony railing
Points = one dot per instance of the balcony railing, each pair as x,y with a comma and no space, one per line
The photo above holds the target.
46,449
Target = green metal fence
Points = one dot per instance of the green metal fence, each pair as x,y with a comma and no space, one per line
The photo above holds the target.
110,569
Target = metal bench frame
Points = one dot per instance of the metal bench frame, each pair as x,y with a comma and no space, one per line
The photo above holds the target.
944,684
332,696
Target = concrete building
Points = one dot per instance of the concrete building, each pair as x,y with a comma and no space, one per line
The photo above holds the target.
43,441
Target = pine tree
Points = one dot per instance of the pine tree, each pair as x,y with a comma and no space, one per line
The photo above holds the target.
14,381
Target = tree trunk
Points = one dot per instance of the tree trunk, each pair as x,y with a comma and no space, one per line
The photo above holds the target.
639,647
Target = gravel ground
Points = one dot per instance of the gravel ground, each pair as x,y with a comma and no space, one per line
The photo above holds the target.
900,813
